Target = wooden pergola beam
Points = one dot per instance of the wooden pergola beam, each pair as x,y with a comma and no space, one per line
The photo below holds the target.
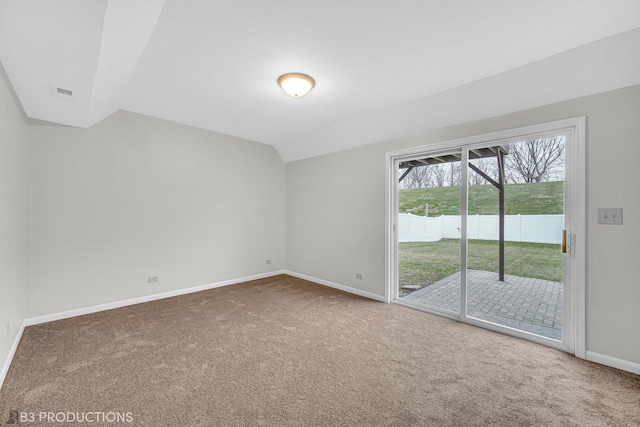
497,151
484,175
409,169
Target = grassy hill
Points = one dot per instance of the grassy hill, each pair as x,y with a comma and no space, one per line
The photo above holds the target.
526,199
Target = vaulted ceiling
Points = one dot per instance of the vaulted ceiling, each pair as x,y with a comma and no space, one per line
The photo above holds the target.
383,68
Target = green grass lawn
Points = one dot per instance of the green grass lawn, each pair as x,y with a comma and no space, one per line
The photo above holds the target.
526,199
423,263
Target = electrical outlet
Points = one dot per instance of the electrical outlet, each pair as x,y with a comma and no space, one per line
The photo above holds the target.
267,261
612,216
153,279
359,276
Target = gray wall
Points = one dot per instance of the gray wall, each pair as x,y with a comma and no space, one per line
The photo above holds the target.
336,211
133,197
13,150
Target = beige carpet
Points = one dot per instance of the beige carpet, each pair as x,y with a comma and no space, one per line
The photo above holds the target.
285,352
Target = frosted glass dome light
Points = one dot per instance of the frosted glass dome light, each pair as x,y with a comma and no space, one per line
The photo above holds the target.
296,84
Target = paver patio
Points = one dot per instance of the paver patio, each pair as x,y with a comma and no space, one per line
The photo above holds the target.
525,303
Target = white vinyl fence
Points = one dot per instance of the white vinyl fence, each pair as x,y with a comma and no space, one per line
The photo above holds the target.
517,228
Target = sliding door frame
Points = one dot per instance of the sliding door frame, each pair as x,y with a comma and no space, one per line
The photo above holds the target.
575,207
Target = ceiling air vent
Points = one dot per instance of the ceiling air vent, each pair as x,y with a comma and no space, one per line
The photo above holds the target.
65,92
61,93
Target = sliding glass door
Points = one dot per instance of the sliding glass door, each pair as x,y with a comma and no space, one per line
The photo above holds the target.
480,234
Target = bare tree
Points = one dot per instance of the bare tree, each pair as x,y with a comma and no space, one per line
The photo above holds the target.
511,176
536,161
419,177
439,176
453,173
442,174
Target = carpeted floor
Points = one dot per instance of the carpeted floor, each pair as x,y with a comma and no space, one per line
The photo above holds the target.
285,352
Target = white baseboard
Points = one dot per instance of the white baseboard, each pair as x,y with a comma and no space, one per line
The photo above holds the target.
348,289
12,352
613,362
146,298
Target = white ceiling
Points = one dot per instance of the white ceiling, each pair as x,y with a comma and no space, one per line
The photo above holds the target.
382,68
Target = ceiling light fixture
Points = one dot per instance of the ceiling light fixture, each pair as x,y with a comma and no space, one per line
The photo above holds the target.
296,84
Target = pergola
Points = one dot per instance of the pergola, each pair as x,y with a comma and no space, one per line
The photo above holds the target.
478,153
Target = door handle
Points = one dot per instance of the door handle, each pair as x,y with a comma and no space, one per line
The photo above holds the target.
566,241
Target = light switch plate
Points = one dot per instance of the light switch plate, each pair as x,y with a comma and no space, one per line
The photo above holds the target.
612,216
